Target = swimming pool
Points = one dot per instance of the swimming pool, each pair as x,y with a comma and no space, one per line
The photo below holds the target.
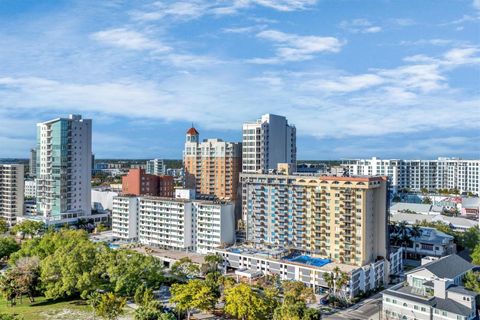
113,246
316,262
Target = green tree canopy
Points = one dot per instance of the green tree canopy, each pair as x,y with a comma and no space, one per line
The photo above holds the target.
3,226
185,268
73,269
8,245
110,306
127,269
29,227
195,294
476,254
242,302
472,281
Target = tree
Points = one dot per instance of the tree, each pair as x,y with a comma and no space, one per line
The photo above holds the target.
49,243
21,279
8,246
312,314
476,254
150,310
243,303
110,307
3,226
29,227
336,281
195,294
127,269
472,281
298,291
185,269
73,269
5,316
415,232
470,238
211,264
427,200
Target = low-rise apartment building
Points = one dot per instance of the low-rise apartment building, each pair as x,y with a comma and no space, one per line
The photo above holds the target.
125,218
290,265
432,291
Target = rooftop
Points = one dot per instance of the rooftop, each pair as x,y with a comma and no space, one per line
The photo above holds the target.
447,267
280,254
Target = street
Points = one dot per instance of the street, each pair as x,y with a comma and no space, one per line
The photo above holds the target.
367,309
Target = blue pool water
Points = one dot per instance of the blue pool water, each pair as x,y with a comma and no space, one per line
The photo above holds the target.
317,262
113,246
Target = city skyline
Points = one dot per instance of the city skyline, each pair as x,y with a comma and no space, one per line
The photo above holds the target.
356,81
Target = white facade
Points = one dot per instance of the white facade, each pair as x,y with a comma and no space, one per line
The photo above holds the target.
30,188
273,261
103,199
125,218
214,225
443,173
174,224
184,193
64,167
11,192
432,293
156,167
268,142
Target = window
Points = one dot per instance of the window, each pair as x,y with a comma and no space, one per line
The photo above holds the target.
415,307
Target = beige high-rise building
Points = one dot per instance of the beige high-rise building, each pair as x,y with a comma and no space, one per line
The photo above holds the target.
212,167
340,218
11,192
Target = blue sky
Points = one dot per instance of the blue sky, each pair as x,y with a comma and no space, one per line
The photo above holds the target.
393,79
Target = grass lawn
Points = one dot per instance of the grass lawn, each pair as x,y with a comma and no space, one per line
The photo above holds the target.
43,309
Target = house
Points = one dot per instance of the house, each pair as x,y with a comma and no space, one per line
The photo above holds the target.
431,242
432,291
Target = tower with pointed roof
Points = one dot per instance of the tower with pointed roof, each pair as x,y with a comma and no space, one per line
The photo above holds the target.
211,167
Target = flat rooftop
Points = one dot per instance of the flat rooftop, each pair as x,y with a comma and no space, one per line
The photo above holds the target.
281,255
171,255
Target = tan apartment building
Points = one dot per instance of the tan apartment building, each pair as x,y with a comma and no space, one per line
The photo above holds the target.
212,167
340,218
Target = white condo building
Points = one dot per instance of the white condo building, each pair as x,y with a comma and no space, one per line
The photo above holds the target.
268,142
443,173
156,167
11,192
64,161
174,224
30,189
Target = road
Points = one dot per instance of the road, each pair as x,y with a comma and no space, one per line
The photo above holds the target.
367,309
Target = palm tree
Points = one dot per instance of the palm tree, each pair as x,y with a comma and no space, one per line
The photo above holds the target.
415,232
404,236
336,281
395,238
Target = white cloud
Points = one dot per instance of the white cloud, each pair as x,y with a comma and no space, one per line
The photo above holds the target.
194,9
360,26
129,39
476,4
433,42
347,83
292,47
462,56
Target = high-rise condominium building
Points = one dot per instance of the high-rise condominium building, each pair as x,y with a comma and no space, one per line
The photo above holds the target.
174,224
33,163
212,166
156,167
340,218
11,192
64,154
443,173
267,142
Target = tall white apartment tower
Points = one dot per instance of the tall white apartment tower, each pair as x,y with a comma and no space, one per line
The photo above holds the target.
64,166
268,142
11,192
